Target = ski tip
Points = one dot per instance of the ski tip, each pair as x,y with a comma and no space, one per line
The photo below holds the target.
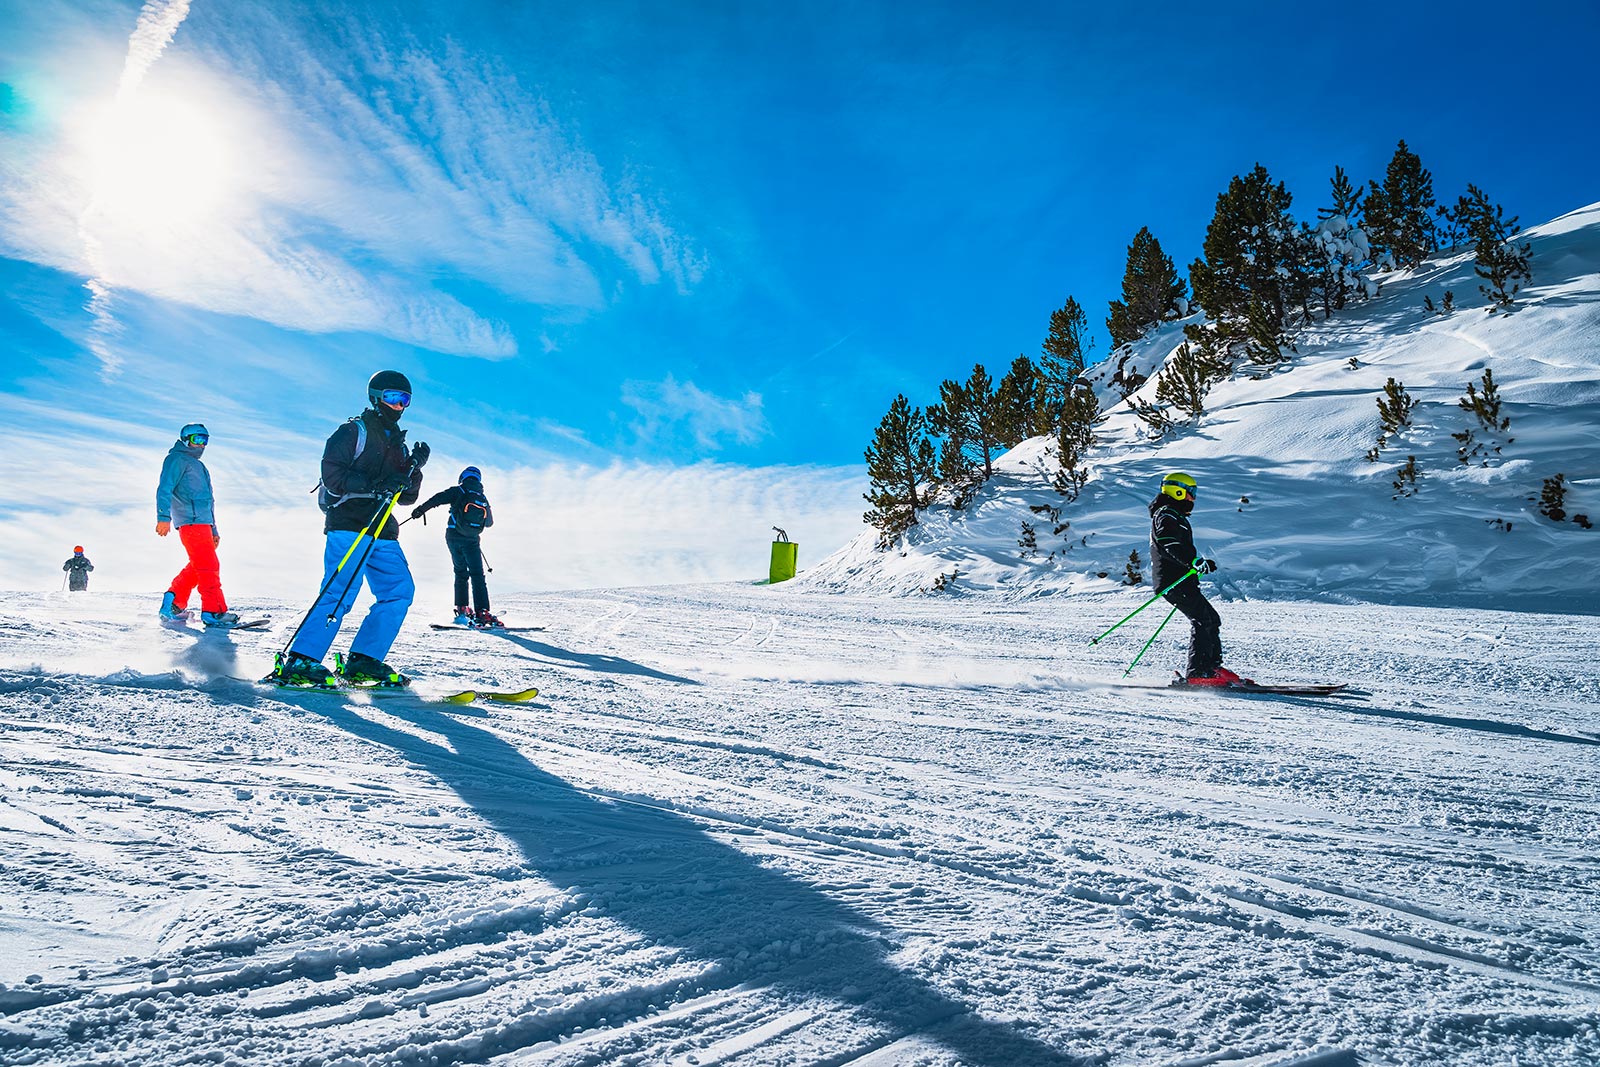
466,697
512,698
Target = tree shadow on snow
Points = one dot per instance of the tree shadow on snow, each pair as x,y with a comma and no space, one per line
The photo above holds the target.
661,874
1488,726
588,661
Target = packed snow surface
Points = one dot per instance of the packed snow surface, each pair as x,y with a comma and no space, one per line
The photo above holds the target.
764,826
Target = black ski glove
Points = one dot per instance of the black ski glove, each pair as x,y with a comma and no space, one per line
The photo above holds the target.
419,454
393,484
1205,566
419,513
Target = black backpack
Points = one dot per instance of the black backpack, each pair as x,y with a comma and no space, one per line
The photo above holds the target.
470,512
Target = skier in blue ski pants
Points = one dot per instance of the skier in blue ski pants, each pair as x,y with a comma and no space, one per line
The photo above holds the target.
386,573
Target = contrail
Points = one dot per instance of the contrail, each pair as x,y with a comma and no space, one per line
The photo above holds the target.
158,23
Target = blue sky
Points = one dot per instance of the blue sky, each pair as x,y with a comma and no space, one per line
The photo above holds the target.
650,236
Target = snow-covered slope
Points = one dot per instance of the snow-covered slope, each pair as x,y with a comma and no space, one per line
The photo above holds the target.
1321,520
758,827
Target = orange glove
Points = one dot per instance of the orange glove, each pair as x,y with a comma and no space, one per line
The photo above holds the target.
163,528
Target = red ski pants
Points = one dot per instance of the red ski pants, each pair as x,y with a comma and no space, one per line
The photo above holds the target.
203,572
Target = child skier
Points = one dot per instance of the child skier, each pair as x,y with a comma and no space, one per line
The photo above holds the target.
365,465
78,568
470,515
184,500
1172,555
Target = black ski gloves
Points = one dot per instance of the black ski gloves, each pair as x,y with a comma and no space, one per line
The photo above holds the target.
1204,566
419,454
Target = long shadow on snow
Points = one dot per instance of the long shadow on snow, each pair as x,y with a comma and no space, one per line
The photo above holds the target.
661,874
1488,726
588,661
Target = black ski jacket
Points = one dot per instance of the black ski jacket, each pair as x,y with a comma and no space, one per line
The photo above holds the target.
78,563
1171,542
352,479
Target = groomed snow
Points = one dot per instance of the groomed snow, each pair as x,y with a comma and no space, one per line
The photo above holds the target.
765,826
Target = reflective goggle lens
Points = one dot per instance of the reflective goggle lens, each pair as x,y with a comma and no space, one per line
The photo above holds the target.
395,398
198,438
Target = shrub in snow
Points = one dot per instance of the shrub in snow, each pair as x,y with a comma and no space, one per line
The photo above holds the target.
1394,408
900,461
1152,292
1444,308
1157,422
1485,407
1405,479
1029,541
1133,572
1553,498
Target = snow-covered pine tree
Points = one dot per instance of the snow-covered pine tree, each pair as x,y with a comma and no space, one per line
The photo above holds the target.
1398,215
1340,249
899,463
1253,252
1152,292
1188,376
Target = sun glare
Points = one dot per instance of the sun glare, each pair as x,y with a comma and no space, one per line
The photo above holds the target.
157,161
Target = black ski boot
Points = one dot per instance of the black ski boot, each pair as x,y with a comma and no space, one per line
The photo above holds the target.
294,671
362,670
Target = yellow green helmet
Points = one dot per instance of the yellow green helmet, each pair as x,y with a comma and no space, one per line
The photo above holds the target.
1179,487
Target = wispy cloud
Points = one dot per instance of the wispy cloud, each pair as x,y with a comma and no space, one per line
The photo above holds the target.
669,409
325,180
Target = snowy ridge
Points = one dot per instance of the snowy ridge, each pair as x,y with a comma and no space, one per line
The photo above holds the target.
1321,520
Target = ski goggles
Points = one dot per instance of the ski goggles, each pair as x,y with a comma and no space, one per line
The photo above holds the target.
395,398
197,438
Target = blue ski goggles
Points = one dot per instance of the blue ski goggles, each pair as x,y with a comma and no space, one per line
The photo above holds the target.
198,439
395,398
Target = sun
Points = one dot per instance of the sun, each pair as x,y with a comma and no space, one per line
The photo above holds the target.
157,161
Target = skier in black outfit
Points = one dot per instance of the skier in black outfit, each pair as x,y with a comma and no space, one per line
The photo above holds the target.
78,568
470,515
1172,555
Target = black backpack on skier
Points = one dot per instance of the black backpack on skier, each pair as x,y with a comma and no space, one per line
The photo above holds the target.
470,512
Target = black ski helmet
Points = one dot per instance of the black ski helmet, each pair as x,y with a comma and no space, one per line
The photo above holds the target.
385,380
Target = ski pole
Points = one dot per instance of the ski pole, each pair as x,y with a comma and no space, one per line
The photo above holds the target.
373,523
372,542
1150,642
1147,603
485,559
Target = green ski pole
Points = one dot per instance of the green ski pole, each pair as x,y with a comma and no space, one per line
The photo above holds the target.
1150,642
1147,603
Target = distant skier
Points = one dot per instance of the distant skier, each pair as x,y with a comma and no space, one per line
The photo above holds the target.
184,500
364,465
78,568
1172,554
470,515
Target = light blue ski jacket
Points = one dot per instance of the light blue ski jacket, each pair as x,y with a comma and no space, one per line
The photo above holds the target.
184,496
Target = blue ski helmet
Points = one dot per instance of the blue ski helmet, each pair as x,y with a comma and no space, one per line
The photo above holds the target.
471,472
193,430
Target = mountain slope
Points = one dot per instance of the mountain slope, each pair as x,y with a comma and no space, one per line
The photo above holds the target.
1289,504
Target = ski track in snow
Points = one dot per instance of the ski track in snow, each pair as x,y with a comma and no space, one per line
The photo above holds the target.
747,825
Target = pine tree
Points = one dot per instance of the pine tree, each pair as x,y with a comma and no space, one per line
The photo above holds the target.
1250,249
1398,215
1152,292
1394,407
1065,350
1338,248
1133,570
1553,498
1075,436
1346,198
1498,260
1188,376
1024,409
899,463
970,420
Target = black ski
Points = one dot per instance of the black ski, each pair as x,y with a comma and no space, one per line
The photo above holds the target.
1248,687
486,629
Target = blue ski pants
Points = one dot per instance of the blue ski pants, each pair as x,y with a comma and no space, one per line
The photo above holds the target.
386,573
